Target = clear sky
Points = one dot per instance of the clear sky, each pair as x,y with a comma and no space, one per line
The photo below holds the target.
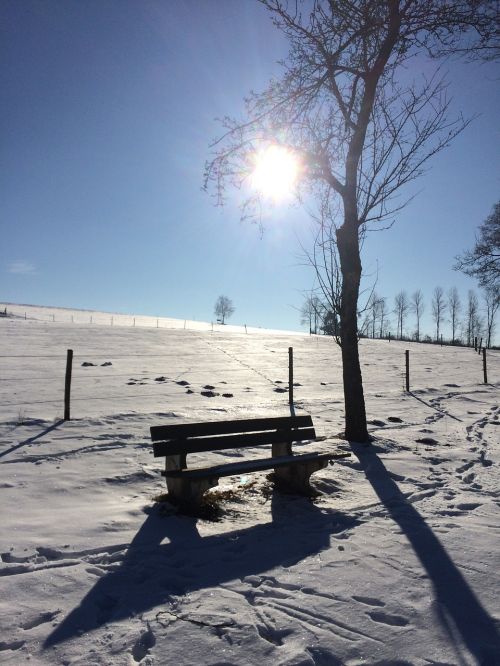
108,108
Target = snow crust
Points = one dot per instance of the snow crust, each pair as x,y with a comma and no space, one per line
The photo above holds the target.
395,563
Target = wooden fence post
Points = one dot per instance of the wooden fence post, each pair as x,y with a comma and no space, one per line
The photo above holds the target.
67,385
407,355
485,370
290,375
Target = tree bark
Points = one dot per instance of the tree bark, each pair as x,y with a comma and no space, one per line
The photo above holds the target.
350,265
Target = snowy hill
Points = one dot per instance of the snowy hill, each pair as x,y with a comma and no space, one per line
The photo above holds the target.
395,563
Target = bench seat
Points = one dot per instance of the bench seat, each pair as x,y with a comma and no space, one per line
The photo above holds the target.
256,465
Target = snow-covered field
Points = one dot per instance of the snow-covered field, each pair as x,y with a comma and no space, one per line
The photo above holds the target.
397,562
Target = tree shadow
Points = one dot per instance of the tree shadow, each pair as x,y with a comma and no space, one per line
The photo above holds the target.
32,439
458,608
153,572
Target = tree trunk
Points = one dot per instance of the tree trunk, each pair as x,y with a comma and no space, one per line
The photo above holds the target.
350,265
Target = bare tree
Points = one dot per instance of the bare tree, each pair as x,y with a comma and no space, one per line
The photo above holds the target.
383,317
312,313
361,130
223,308
417,306
401,308
454,307
374,308
324,260
438,309
483,261
472,323
492,303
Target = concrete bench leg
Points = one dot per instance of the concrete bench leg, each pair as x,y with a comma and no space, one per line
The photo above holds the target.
297,477
187,492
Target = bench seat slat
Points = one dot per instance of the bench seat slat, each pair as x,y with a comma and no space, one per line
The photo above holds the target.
202,444
161,433
256,465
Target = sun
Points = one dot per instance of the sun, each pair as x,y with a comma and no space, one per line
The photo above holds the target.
276,172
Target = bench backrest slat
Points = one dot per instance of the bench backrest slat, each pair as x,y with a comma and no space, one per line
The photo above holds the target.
162,433
198,445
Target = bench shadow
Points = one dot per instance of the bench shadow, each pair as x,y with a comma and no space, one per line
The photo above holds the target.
32,439
152,572
458,609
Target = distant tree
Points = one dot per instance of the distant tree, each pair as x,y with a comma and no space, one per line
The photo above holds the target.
374,310
454,307
417,306
324,259
401,308
383,317
472,323
311,313
483,261
331,325
492,303
223,308
438,309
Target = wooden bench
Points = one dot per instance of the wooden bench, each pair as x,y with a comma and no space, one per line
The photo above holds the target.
186,486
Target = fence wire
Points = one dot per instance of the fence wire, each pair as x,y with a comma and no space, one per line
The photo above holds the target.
222,371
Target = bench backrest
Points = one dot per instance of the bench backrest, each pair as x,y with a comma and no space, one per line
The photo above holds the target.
219,435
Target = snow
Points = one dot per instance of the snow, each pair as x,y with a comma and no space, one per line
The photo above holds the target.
395,563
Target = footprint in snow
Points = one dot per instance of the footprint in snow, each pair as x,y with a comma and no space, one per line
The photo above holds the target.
209,394
11,645
385,618
369,601
426,440
395,419
143,645
44,618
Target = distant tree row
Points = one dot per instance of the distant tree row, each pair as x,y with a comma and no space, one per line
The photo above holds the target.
467,319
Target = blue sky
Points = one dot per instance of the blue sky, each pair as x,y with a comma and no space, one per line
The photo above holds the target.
108,110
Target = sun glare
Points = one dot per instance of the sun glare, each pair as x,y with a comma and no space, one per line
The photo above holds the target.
276,172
